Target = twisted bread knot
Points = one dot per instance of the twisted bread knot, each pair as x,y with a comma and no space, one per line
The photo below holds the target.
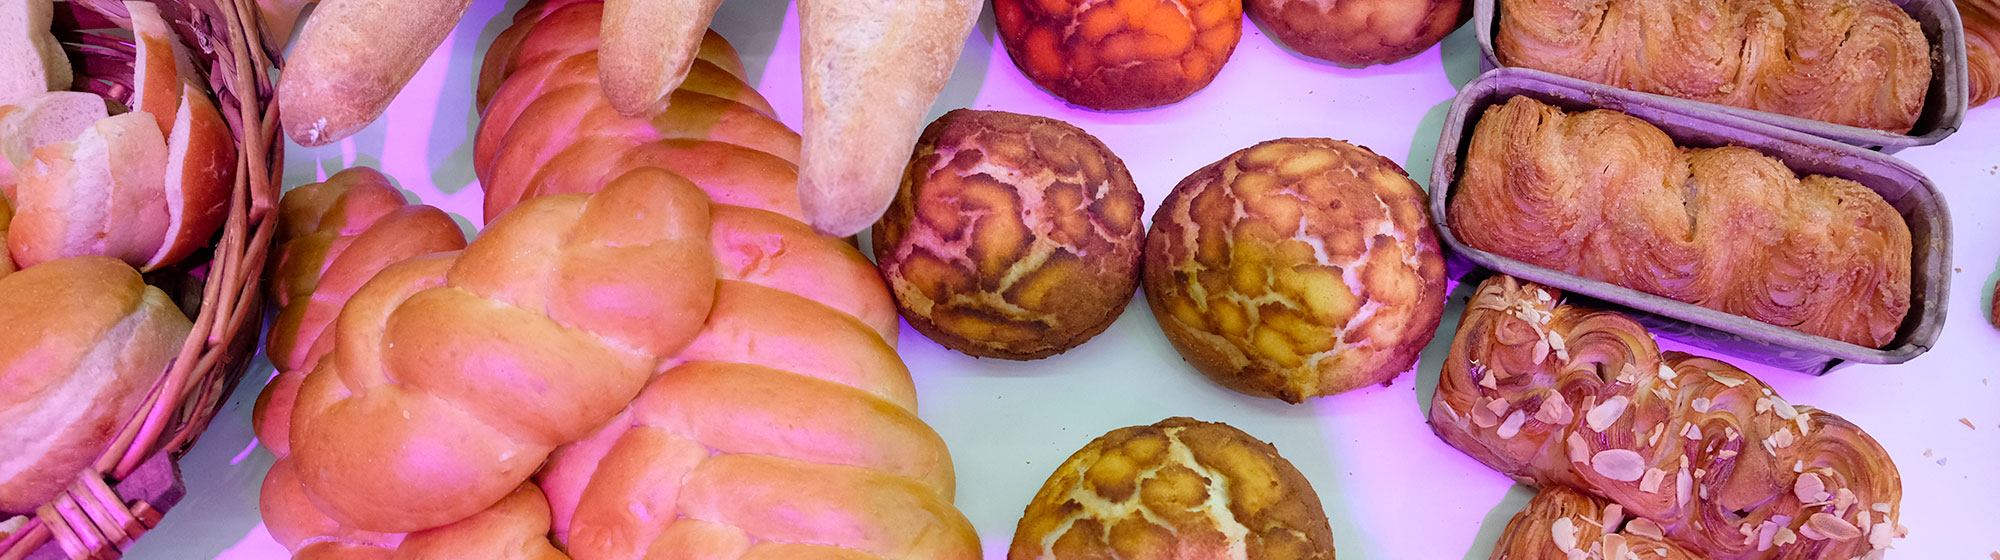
547,128
1861,63
1555,395
1563,523
1606,196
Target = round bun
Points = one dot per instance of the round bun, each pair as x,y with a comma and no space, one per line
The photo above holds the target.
1296,268
1013,236
1359,32
1120,55
1213,487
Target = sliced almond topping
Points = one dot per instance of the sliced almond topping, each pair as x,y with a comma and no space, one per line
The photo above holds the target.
1512,426
1556,341
1692,432
1603,415
1614,547
1651,482
1783,438
1809,488
1623,465
1554,410
1563,532
1628,375
1881,507
1784,409
1699,404
1541,351
1726,454
1667,373
1763,404
1833,527
1784,537
1484,416
1843,498
1726,380
1799,466
1801,421
1654,439
1645,528
1486,379
1808,532
1579,452
1613,515
1683,485
1881,535
1765,532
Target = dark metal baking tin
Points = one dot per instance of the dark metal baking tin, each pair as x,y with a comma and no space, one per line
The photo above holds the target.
1905,188
1944,104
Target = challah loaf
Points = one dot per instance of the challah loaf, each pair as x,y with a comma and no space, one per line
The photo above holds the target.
1606,196
1560,396
1861,63
82,340
335,236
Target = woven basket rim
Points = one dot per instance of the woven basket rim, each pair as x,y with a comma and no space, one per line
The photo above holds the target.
90,519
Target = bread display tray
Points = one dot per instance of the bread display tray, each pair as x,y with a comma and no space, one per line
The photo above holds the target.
1909,191
1944,104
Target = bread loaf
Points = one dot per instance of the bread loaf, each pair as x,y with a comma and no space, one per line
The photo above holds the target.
1606,196
352,57
103,193
82,340
1560,396
628,336
40,120
1863,63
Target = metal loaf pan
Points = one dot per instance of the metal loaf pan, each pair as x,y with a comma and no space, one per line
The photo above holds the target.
1906,189
1944,104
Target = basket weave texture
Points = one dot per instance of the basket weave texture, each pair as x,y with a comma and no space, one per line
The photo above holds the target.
125,492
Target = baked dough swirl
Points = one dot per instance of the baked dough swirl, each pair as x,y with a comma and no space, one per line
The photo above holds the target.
1861,63
1709,457
1606,196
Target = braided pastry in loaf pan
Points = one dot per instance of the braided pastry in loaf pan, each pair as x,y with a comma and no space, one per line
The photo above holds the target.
1982,48
1711,460
1609,197
1861,63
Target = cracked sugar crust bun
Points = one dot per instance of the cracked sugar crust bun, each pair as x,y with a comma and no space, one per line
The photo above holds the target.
1296,268
1181,488
1013,236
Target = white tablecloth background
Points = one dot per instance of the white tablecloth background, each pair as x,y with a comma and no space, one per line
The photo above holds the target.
1391,489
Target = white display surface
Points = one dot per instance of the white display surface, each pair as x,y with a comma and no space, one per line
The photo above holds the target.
1391,489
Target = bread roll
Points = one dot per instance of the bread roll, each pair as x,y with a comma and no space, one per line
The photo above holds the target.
1296,268
200,177
160,65
40,120
1609,197
1118,56
1556,395
85,339
1181,488
103,193
1360,32
34,59
1013,236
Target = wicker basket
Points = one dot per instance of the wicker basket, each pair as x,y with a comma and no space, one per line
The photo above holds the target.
218,287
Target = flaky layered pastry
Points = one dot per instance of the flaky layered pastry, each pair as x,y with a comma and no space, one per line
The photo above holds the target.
1606,196
1863,63
1180,488
1982,48
1698,452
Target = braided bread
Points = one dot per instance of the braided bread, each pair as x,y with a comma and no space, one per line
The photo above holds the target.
644,339
1982,48
1560,396
1861,63
1606,196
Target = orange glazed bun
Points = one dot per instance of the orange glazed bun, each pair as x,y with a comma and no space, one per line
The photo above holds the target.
1114,56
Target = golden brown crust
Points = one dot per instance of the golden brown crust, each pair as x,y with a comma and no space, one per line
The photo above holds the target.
1296,268
1556,395
1561,523
1219,492
1861,63
1360,32
1114,56
1608,197
1982,48
1013,236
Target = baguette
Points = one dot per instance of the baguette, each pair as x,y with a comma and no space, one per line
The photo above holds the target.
85,340
352,57
649,47
872,71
